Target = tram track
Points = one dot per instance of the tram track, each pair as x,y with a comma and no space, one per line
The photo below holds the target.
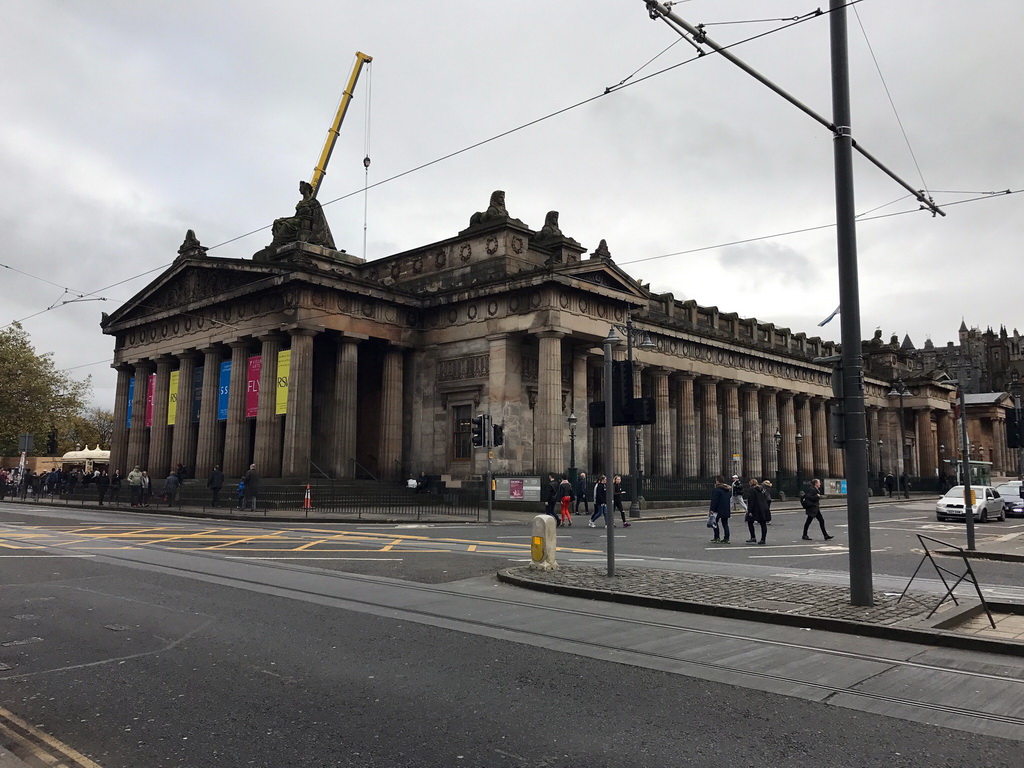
639,656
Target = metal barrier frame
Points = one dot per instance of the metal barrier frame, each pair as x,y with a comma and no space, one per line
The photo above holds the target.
967,575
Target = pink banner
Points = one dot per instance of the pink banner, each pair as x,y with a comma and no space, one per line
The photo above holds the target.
252,387
150,386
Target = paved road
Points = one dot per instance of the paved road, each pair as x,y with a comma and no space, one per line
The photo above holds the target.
182,652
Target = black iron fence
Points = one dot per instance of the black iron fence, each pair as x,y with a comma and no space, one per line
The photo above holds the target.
362,501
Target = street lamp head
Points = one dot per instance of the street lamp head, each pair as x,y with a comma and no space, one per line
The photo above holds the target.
646,342
612,337
778,437
799,438
572,420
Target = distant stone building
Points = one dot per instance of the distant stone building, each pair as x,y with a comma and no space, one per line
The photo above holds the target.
306,360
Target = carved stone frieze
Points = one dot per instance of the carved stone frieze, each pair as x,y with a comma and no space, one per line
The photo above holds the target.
463,368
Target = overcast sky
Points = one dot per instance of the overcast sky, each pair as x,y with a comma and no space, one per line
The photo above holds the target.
127,123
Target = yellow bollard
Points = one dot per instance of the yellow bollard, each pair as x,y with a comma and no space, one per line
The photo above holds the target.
543,543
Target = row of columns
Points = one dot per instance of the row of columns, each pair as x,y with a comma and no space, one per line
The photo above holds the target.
283,444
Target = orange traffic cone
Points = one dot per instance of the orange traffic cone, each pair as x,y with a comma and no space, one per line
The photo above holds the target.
306,502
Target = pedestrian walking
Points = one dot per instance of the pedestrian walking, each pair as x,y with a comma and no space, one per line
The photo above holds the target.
102,485
890,483
811,501
565,494
582,495
172,484
552,499
737,501
147,488
240,493
135,486
600,501
252,486
757,507
617,499
721,508
215,482
766,486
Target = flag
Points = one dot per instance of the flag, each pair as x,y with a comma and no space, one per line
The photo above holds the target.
829,318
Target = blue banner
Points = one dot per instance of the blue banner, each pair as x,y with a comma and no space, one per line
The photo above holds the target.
131,396
197,392
222,393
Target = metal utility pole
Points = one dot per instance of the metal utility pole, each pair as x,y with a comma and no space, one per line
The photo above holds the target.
965,451
609,446
855,418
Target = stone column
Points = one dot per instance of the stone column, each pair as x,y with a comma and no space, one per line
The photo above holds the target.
822,437
837,462
206,449
926,444
999,438
391,414
579,404
346,404
711,433
298,426
159,460
183,442
733,429
138,439
661,430
948,441
548,413
236,443
689,456
119,432
787,426
752,428
770,424
267,451
803,423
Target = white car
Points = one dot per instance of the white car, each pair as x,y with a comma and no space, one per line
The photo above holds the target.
987,504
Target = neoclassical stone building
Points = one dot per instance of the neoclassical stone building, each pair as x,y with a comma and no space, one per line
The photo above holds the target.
307,361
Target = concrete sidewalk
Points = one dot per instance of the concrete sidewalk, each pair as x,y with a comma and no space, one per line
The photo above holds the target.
784,601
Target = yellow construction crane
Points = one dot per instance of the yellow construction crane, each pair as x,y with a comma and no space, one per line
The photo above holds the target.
320,169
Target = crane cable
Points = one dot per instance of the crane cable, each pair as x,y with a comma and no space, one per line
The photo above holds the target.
366,151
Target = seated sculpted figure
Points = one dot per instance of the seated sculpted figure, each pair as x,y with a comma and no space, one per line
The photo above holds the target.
495,210
308,225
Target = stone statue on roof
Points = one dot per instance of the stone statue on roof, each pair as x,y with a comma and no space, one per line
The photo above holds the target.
308,225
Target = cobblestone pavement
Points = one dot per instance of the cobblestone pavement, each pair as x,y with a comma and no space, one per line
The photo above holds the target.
825,607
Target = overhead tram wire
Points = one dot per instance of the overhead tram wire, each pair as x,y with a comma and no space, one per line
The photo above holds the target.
892,103
611,89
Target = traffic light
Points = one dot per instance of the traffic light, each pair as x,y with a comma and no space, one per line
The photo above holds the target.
478,431
499,434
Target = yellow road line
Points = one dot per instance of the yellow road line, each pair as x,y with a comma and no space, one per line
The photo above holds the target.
80,760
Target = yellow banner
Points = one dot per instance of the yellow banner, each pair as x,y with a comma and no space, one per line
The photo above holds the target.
172,399
284,363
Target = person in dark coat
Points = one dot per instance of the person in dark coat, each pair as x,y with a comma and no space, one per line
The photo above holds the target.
115,486
890,483
600,501
552,499
617,499
757,511
582,494
721,505
172,484
102,485
252,486
811,501
215,482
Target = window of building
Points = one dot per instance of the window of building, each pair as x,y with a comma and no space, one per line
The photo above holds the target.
462,433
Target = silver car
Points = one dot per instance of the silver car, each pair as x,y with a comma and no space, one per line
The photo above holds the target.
1012,501
987,504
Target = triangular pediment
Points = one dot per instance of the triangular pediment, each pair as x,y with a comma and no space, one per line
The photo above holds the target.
190,284
606,274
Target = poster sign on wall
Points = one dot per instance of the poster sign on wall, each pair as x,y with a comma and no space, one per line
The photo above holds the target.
172,399
131,399
223,388
252,386
197,393
150,388
284,363
517,488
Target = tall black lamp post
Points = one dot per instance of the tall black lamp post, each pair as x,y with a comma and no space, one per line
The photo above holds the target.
799,482
644,342
881,470
573,471
900,391
1015,385
778,462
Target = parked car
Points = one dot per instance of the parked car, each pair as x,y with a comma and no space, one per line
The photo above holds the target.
988,504
1012,501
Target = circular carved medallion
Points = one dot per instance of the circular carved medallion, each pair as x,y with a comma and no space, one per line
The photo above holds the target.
584,305
417,264
563,299
517,244
492,308
471,311
465,252
441,258
492,246
535,299
453,315
513,304
368,308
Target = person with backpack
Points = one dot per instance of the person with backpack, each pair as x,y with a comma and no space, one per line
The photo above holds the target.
811,502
